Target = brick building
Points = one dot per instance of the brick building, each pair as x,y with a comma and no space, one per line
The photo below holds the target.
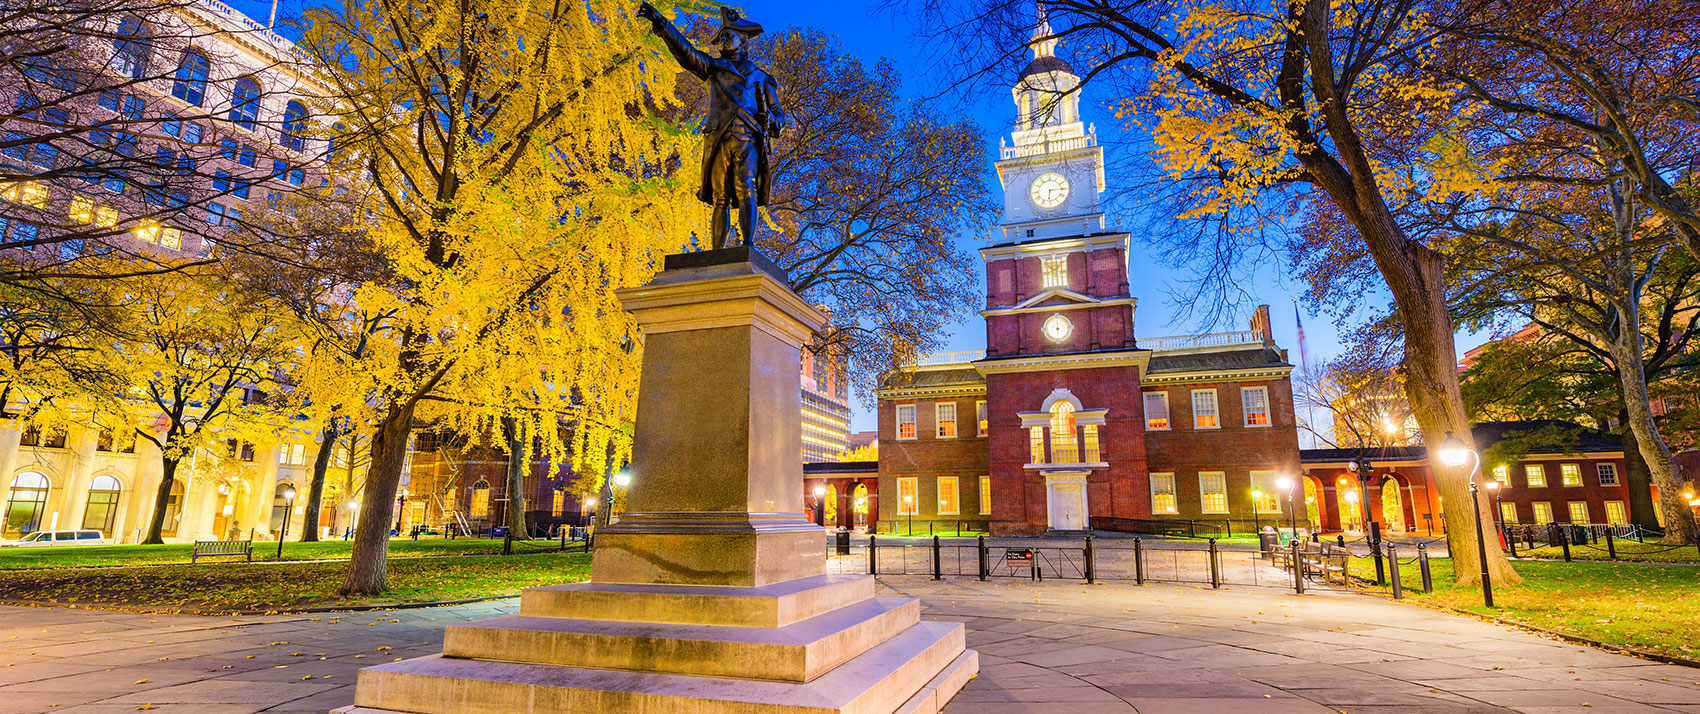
1067,421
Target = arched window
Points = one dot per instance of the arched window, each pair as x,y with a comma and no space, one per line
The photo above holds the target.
173,510
480,505
25,503
295,126
191,83
130,49
1064,448
245,103
102,508
280,504
331,145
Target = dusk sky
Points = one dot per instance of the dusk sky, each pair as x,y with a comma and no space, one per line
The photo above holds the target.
866,32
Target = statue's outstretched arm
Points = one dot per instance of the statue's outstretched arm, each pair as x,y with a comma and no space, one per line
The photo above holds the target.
692,59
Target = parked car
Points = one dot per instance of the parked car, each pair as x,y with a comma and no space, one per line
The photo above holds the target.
47,539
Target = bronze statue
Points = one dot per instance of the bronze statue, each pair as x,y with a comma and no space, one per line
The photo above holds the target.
743,111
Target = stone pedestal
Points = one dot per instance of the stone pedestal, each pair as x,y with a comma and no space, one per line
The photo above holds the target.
710,595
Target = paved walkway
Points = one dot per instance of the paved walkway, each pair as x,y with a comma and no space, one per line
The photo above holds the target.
1050,648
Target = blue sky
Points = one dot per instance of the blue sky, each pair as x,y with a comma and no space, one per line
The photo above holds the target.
870,35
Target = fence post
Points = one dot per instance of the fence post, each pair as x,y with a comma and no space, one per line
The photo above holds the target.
1138,562
937,574
1375,552
1227,528
1340,539
982,549
1215,569
1564,540
508,543
1393,562
1611,544
1089,562
873,557
1298,568
1422,563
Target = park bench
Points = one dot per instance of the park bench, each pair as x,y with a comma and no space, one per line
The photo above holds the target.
210,548
1324,561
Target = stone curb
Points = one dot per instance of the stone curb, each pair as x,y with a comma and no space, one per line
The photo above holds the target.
279,611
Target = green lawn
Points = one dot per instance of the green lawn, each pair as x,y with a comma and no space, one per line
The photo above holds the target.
1626,550
265,587
1649,607
110,555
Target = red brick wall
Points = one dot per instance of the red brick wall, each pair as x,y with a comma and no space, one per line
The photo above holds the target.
928,457
1234,449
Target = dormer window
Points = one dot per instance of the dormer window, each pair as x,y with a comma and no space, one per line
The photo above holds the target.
1053,270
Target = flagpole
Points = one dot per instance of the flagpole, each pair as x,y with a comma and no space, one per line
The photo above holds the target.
1304,369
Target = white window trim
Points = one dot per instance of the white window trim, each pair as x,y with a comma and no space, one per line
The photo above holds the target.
1216,406
1245,414
985,495
1621,508
981,414
1152,487
1225,500
955,419
897,422
1168,416
1269,474
938,496
1536,467
914,509
1599,471
1535,512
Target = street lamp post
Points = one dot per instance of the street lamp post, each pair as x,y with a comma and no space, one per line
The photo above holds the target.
820,506
909,508
1362,468
1286,484
288,505
1257,520
1453,452
621,481
400,504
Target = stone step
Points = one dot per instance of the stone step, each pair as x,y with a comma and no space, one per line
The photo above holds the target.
774,605
878,681
797,652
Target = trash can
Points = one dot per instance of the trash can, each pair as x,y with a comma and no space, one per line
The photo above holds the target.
842,542
1268,540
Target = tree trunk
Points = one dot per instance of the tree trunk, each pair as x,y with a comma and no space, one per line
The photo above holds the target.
162,496
519,458
369,563
1636,476
1431,384
316,489
1626,352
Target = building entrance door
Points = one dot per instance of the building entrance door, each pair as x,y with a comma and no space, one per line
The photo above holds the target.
1067,502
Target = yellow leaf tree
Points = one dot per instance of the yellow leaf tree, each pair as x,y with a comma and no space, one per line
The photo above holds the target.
500,172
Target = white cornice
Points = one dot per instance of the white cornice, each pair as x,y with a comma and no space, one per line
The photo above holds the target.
963,390
1048,363
1060,308
1223,375
1043,247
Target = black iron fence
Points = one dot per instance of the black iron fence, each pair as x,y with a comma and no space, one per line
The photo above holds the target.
930,527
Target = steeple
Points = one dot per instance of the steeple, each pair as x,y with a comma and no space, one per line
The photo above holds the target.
1046,101
1042,43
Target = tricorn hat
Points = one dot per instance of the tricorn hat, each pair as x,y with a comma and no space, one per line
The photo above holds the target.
731,21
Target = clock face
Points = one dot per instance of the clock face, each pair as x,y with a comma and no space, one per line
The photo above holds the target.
1057,328
1049,190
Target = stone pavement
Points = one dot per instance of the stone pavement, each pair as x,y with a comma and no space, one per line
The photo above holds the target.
1050,648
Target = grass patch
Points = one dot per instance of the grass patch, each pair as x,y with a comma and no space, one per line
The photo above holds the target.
1626,550
245,587
131,555
1649,607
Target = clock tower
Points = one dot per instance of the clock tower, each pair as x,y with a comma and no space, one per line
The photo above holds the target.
1052,168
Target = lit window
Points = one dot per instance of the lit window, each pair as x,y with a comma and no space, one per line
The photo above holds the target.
980,417
148,231
945,415
1537,476
1163,494
905,421
480,507
1543,512
1579,512
948,503
985,495
1502,474
1213,492
906,499
1204,409
1570,474
1089,443
1615,512
1157,411
1265,495
171,238
27,193
1255,400
1608,476
81,211
1064,449
1054,271
1508,512
1036,445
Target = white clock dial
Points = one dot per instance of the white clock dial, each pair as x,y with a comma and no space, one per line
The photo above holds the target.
1049,190
1057,328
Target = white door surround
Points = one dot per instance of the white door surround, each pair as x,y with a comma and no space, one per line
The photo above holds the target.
1065,496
